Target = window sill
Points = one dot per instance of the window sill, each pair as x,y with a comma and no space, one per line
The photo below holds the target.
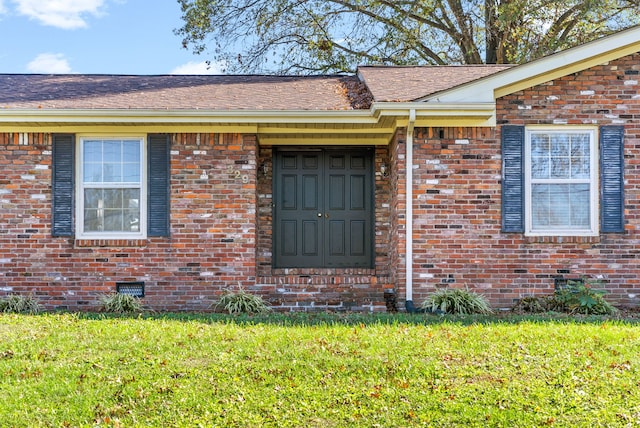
100,243
562,239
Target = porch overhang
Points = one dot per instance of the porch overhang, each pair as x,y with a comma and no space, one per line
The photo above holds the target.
374,126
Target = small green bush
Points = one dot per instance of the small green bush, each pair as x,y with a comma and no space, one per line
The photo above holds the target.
532,305
120,303
18,304
457,301
240,301
579,297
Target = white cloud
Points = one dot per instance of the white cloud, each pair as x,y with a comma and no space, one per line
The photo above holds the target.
193,67
49,63
65,14
2,8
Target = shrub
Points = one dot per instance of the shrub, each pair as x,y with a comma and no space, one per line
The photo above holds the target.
579,297
17,304
120,303
532,305
457,301
242,302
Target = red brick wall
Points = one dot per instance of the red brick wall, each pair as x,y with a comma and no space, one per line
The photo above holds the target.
457,237
221,220
213,232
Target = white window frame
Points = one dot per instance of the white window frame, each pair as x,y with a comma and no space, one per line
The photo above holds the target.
593,181
80,186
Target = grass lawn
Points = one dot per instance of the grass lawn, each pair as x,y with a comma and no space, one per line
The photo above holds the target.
59,370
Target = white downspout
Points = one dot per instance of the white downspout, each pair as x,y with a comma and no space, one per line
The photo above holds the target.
409,210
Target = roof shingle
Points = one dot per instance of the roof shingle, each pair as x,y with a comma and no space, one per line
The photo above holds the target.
219,93
401,84
177,92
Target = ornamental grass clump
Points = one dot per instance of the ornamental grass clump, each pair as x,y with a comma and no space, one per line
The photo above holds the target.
120,303
457,301
17,304
241,302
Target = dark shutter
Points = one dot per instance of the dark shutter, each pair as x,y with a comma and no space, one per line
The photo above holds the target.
513,179
158,185
62,184
612,179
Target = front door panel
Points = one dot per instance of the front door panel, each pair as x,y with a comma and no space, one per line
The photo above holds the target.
323,215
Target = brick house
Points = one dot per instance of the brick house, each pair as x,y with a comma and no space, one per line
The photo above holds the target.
180,187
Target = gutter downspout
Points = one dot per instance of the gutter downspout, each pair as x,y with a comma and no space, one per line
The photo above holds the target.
409,215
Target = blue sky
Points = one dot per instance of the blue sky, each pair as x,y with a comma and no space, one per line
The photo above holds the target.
94,37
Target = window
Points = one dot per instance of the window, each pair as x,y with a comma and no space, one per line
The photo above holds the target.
111,191
110,187
561,180
561,187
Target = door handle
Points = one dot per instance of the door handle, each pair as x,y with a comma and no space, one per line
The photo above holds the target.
326,215
319,214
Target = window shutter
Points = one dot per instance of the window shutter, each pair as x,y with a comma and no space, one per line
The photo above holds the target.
612,179
512,179
62,184
158,185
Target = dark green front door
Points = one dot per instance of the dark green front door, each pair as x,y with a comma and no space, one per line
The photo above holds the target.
323,208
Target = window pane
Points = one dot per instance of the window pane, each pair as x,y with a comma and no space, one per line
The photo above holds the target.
558,202
92,151
113,221
131,151
112,151
92,172
580,167
131,173
540,145
111,161
580,156
91,221
579,202
560,145
559,213
560,206
580,145
112,198
93,198
115,208
112,172
540,207
112,210
560,167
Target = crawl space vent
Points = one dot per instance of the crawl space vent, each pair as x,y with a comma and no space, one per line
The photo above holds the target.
135,289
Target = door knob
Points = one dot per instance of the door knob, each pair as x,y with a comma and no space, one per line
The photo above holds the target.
319,214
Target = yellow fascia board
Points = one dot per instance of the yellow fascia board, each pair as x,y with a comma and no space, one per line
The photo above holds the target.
262,130
242,121
439,114
121,116
325,140
128,128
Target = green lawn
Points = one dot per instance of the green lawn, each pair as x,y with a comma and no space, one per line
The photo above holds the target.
166,371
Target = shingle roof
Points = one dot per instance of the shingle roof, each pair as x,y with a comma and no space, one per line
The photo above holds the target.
176,92
398,84
248,92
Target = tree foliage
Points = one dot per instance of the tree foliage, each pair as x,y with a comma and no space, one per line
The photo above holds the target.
314,36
